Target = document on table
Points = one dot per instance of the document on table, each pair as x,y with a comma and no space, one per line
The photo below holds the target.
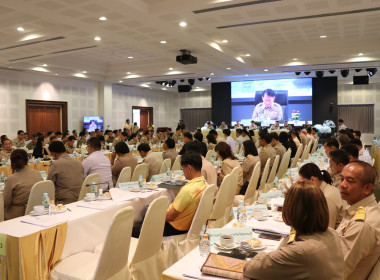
96,204
269,225
44,220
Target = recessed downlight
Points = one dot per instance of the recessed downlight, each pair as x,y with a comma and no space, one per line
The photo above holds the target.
163,42
323,36
183,24
20,29
225,41
360,54
130,57
84,72
295,59
44,65
228,68
103,18
266,70
97,38
120,81
128,73
171,69
247,54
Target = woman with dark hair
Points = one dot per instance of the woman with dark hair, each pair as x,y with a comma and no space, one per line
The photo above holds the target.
18,185
296,139
287,141
312,251
224,152
246,134
322,179
39,151
123,159
249,163
211,142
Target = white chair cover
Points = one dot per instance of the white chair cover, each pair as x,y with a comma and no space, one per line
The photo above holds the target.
210,154
237,148
315,146
284,165
112,263
141,169
304,154
297,156
221,203
250,195
373,162
148,252
125,175
177,163
264,176
37,192
308,151
375,273
232,191
86,186
273,171
175,247
167,163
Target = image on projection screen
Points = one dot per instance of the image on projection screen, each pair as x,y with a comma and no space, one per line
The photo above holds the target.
267,101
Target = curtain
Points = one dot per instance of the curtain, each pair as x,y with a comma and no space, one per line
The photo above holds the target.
358,117
195,117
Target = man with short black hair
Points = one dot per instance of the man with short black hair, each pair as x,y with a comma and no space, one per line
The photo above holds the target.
330,144
199,137
363,153
153,159
75,134
267,152
341,125
66,173
352,151
359,230
19,141
275,126
169,150
32,144
96,162
5,154
146,138
268,109
229,140
357,134
223,126
177,136
187,137
69,145
239,138
276,144
338,160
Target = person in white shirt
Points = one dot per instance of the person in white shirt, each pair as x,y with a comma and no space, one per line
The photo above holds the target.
229,140
238,125
96,162
239,138
363,153
341,125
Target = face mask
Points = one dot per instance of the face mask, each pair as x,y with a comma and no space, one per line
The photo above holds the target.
141,134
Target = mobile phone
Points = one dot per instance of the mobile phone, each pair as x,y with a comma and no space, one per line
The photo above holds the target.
270,236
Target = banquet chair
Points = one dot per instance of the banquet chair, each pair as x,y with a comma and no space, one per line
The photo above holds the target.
264,176
304,154
309,146
297,156
141,169
177,246
125,175
37,192
1,207
273,170
86,186
237,149
375,273
210,154
231,195
373,162
111,263
251,194
315,146
221,203
177,163
284,165
167,163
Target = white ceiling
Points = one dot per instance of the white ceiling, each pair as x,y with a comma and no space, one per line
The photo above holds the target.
273,32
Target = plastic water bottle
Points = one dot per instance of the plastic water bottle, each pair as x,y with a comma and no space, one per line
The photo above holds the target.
204,245
238,211
140,182
51,207
94,188
46,202
3,178
3,161
169,174
243,216
275,183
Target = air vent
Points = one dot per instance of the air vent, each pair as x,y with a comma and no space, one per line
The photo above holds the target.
77,49
27,57
301,18
33,43
238,5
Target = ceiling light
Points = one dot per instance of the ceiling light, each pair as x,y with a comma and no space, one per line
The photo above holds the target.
20,28
228,68
266,70
44,65
120,81
360,54
163,42
130,57
102,18
128,73
56,74
171,69
212,74
225,41
323,36
97,38
247,54
295,59
183,24
246,75
84,72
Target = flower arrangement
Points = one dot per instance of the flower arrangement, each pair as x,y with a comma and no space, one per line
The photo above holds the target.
296,115
329,123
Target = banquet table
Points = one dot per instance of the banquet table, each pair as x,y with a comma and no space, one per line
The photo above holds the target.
31,250
233,132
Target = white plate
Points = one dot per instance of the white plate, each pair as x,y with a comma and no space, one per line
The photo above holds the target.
249,248
32,213
105,198
223,248
88,200
278,218
63,209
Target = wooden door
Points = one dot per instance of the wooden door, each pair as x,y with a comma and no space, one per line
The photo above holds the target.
144,118
43,119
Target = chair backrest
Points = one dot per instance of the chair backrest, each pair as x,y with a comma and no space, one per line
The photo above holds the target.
251,189
264,175
235,172
232,189
125,175
284,165
273,171
114,255
86,186
177,163
37,192
304,154
308,151
210,154
297,156
203,212
152,230
167,163
222,198
1,207
141,169
373,162
315,146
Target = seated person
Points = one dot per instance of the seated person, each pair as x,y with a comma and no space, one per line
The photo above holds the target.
359,230
66,173
275,126
276,144
357,134
363,153
96,162
267,152
177,136
238,125
69,146
32,144
312,251
268,109
123,159
239,138
249,163
338,159
252,126
199,137
287,126
352,151
5,154
19,141
187,137
223,151
133,139
169,150
223,126
153,159
18,185
82,139
146,138
39,151
211,142
229,140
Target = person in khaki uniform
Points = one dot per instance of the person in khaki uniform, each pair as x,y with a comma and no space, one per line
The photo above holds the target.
156,138
18,185
133,139
268,109
267,152
276,144
359,230
146,138
19,141
32,144
338,159
82,139
124,159
224,152
169,150
66,173
177,136
153,159
321,179
312,251
69,146
7,150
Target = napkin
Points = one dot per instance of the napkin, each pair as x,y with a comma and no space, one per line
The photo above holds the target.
269,226
96,204
44,221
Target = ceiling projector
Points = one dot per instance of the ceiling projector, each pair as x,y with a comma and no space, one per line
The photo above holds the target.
186,57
